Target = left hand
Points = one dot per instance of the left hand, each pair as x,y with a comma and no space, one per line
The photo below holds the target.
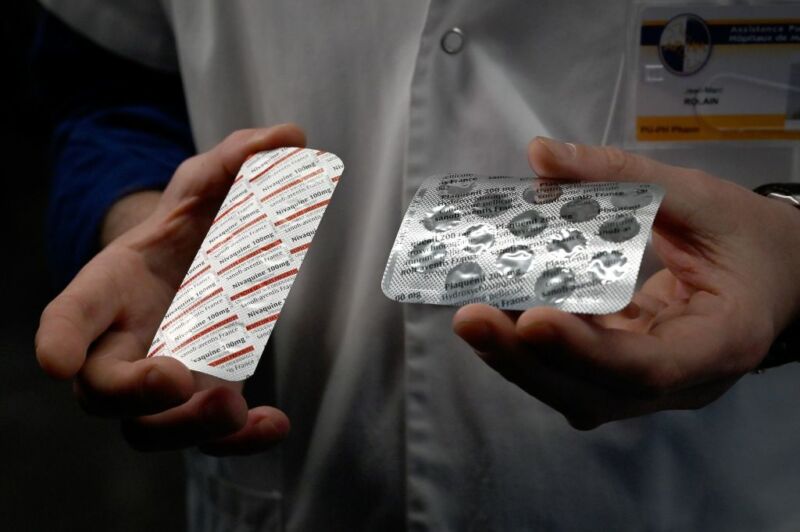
729,286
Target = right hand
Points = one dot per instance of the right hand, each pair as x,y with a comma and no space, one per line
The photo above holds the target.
99,328
729,286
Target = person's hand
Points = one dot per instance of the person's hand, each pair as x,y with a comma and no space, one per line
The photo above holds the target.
99,328
729,286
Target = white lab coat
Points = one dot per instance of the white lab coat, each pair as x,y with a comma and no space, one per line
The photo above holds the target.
396,424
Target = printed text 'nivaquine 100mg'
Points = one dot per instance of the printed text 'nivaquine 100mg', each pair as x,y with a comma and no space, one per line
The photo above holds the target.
228,303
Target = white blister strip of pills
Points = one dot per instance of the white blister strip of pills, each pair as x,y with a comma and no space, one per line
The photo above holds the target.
520,242
228,303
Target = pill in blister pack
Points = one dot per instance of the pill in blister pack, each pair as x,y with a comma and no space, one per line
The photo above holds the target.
517,243
228,303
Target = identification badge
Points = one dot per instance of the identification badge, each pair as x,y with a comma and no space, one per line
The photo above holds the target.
718,73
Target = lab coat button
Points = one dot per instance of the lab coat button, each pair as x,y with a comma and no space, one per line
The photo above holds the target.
453,41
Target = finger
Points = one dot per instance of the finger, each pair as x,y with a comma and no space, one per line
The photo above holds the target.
663,287
646,365
265,426
117,381
210,174
75,318
585,405
492,334
687,191
208,415
636,316
488,330
233,151
585,402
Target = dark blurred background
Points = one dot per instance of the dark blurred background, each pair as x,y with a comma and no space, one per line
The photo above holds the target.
60,469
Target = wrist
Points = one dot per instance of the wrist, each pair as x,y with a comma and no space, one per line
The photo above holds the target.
784,348
786,345
127,213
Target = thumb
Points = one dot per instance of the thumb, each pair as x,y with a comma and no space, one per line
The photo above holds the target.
210,174
686,191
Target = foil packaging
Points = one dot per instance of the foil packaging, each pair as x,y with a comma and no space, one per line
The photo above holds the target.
228,303
520,242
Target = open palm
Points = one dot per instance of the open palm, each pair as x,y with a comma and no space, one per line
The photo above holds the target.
728,288
98,330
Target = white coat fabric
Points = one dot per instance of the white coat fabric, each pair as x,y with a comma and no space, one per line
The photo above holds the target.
397,425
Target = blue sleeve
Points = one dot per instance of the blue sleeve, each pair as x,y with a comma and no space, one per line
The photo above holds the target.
116,127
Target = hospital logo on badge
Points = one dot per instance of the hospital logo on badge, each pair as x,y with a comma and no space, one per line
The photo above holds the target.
685,45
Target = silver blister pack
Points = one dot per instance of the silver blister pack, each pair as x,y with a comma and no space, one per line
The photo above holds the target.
520,242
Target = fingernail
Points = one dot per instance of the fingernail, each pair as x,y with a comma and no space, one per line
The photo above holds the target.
152,388
631,311
280,425
258,136
259,139
155,389
215,410
153,378
476,333
538,332
560,150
